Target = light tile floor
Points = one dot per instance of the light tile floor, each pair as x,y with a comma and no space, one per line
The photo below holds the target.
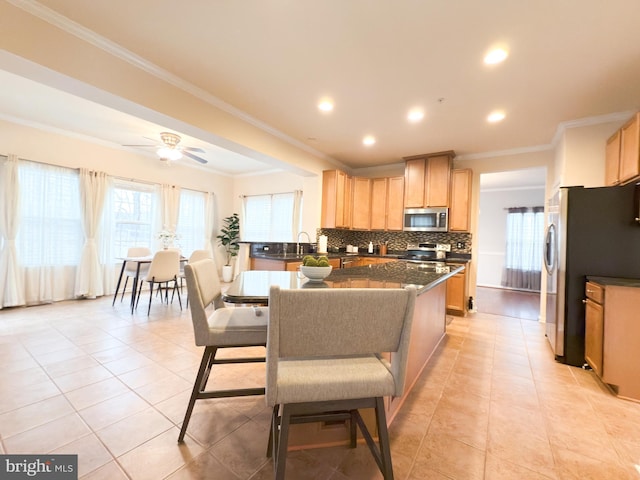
87,378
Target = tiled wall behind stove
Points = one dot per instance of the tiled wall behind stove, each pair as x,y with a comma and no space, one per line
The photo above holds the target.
397,241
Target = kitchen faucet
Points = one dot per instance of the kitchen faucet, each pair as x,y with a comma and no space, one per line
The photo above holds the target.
300,249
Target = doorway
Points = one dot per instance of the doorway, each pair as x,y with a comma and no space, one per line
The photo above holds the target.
500,191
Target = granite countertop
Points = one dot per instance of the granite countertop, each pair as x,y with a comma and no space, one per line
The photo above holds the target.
615,281
401,273
252,286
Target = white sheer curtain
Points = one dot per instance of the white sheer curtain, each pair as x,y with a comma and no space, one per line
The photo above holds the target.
210,222
296,216
50,239
11,274
93,190
525,237
169,200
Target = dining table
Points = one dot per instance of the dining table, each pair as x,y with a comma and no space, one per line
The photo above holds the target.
139,261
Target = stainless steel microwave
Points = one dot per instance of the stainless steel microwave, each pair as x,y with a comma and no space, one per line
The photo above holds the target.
434,219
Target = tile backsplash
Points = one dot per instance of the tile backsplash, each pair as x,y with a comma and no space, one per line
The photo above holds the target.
397,241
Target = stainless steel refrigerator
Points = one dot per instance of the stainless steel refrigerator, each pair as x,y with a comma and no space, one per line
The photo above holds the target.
590,231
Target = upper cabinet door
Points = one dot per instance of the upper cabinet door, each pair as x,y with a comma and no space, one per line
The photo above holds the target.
379,197
414,183
361,203
437,181
630,150
612,160
460,211
335,199
426,180
395,206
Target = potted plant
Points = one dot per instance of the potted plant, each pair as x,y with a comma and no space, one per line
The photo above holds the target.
229,238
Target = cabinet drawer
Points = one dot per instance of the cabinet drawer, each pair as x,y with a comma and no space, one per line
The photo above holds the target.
594,292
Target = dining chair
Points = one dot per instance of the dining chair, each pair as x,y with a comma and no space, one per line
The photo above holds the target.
327,358
222,328
164,269
194,257
131,268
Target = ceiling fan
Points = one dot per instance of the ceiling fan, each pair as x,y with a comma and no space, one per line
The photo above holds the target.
170,149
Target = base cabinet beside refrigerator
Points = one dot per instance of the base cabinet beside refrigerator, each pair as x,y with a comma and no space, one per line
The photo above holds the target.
612,333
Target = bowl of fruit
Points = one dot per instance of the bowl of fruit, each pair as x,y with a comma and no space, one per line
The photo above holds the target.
315,269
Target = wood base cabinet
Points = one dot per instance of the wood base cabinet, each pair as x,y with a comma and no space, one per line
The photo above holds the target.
612,335
457,294
594,326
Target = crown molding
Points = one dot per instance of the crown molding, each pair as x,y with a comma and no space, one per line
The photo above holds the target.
505,153
60,21
620,117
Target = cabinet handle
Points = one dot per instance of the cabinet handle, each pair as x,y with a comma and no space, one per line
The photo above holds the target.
638,219
584,301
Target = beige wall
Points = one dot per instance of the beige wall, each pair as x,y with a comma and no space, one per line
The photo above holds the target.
580,155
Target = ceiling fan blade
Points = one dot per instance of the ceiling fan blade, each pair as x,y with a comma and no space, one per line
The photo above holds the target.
194,149
155,140
194,157
147,146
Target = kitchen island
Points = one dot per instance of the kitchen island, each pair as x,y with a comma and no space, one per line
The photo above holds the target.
428,329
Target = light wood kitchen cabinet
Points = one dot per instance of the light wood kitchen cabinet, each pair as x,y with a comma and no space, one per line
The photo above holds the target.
460,209
457,294
379,197
414,182
630,150
387,206
427,180
361,216
395,203
612,333
336,199
594,326
612,160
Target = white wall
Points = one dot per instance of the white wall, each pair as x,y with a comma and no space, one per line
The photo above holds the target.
492,222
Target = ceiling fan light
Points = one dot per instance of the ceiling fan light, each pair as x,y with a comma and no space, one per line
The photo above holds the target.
169,153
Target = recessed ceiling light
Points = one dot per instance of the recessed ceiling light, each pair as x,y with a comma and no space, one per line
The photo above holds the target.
415,115
326,105
496,116
496,55
369,140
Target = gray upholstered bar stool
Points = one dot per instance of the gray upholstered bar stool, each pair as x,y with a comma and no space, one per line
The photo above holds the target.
223,328
324,360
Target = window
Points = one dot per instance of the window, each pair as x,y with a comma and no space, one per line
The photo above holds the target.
270,218
133,216
525,238
50,231
191,221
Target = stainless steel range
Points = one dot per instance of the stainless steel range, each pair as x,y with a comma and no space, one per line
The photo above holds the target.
425,252
427,255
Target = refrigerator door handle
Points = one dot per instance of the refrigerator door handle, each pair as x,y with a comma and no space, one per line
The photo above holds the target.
550,249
